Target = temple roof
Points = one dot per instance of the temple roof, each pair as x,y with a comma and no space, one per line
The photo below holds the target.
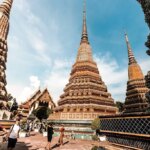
35,94
44,97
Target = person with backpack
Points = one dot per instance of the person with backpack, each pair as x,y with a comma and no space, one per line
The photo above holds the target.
13,135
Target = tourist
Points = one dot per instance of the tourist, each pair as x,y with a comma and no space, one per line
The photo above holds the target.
13,135
30,127
72,135
62,129
50,133
27,128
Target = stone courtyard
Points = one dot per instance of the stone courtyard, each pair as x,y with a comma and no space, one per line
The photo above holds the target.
37,142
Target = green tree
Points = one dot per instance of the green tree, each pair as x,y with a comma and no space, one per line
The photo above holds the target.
95,124
42,112
145,4
120,106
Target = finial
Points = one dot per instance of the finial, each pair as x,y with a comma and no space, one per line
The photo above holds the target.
130,53
5,7
84,38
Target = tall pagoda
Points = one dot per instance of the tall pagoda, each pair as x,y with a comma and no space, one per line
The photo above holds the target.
5,8
136,89
85,96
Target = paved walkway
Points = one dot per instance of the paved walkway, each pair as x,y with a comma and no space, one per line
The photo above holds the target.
38,142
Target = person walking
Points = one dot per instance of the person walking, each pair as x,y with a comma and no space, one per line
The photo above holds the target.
50,133
62,129
13,135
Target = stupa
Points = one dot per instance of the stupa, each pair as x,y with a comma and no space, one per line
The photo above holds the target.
86,96
5,8
136,89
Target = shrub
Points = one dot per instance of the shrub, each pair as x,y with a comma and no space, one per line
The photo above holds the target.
95,138
95,124
98,148
95,148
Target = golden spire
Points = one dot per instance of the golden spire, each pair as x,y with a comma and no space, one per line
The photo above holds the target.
84,51
134,70
130,53
84,38
5,7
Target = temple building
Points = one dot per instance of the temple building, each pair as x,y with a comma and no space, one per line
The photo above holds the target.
5,8
136,89
86,96
38,99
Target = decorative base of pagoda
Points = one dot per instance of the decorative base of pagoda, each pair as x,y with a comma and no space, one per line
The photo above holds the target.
75,116
79,129
81,112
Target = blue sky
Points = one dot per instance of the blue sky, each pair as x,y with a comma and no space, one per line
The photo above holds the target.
44,38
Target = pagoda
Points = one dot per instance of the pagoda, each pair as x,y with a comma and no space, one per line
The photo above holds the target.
5,8
136,89
85,97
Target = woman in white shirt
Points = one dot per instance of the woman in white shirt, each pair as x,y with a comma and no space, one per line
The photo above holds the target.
13,135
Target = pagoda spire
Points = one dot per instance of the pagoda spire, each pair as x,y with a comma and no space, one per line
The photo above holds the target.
134,70
5,7
131,57
84,38
84,51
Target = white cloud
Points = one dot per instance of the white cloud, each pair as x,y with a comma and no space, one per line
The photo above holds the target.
110,71
23,93
115,77
58,78
145,65
34,82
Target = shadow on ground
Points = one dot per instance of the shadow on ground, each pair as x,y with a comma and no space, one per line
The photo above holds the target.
19,146
57,145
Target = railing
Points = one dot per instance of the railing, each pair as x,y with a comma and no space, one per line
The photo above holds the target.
130,130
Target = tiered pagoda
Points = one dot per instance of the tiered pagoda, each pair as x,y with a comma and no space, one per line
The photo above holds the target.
85,96
5,8
136,89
